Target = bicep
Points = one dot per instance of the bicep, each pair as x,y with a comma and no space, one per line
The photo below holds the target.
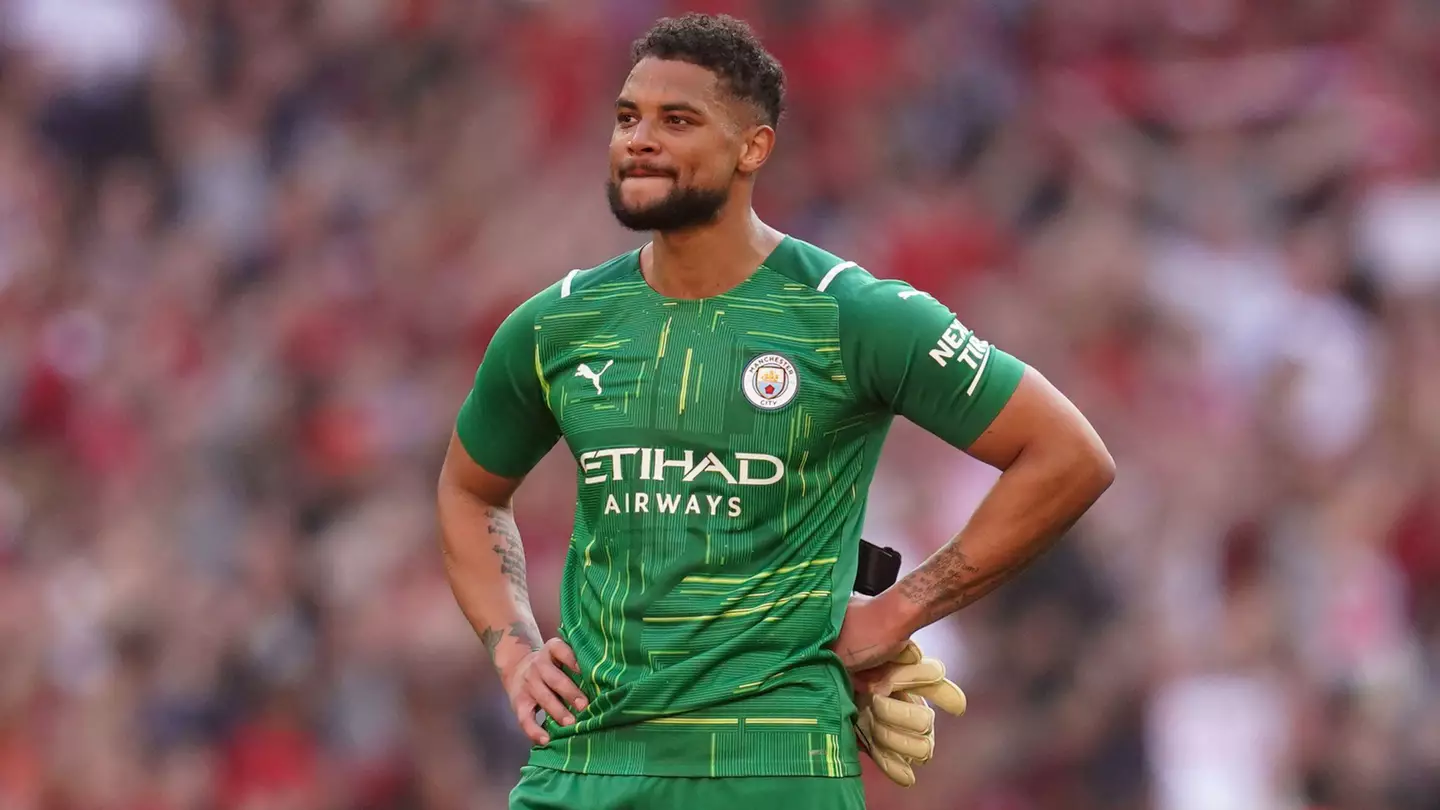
1036,415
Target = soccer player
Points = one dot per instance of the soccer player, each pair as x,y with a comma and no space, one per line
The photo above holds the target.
725,390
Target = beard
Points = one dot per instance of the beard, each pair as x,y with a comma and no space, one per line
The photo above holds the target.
682,208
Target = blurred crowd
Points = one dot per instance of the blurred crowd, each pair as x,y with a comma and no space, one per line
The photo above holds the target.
251,252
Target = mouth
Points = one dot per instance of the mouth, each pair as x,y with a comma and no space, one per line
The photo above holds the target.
643,173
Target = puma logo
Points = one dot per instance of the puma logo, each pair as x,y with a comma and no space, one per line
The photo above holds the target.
593,376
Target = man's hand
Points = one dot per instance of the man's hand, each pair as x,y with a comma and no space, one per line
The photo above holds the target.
536,682
871,635
896,724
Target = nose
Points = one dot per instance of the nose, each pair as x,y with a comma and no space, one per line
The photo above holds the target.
641,141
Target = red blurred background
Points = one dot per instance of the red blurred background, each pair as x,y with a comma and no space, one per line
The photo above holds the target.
252,250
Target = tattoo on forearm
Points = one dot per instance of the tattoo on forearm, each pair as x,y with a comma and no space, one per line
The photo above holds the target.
491,637
510,551
949,581
524,632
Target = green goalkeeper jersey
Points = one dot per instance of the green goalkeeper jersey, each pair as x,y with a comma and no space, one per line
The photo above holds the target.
724,448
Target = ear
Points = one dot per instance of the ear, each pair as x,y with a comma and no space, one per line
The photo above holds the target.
757,143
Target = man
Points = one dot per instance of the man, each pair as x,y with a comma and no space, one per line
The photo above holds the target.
725,391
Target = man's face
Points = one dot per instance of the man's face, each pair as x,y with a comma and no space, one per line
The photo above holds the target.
675,147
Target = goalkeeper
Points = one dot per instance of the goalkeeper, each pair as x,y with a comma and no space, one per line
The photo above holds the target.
725,390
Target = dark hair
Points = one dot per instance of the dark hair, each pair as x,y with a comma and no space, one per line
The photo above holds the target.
726,47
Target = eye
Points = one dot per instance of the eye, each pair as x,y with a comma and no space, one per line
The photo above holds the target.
623,118
677,120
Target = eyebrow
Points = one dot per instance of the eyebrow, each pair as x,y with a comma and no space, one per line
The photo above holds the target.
672,106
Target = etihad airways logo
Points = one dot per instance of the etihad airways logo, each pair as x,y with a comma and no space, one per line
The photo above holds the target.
651,464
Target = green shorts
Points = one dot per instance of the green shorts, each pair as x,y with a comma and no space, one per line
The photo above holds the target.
546,789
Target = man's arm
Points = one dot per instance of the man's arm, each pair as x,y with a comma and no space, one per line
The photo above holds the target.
1054,468
502,431
485,565
484,560
906,352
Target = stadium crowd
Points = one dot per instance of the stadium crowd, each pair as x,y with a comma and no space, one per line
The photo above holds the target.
251,252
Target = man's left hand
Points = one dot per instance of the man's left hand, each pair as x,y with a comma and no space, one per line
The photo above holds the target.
871,635
894,722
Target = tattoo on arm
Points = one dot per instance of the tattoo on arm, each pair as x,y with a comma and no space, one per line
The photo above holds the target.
948,581
511,553
523,632
526,632
942,584
491,637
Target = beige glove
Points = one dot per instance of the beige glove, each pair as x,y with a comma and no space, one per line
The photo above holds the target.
896,724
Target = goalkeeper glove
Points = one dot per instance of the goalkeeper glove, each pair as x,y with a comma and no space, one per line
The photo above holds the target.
896,724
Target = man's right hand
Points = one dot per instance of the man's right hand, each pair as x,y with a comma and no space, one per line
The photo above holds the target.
536,682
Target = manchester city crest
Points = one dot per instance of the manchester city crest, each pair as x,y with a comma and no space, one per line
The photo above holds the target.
770,382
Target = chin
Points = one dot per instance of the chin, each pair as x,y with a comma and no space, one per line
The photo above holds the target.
640,203
638,220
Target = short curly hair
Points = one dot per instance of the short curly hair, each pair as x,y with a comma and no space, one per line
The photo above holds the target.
725,46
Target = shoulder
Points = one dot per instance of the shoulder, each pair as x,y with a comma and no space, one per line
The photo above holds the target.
566,289
854,288
619,271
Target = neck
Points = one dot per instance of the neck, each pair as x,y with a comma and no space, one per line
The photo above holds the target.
709,260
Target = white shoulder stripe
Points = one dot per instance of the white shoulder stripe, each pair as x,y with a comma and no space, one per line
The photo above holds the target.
834,271
980,372
565,285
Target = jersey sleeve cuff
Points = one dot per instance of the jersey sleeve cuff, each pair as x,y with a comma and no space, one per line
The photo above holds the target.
1000,378
482,449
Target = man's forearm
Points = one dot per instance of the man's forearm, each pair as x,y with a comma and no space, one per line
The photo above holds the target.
485,564
1036,500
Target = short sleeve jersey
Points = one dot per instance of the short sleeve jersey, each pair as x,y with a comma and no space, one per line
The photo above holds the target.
724,447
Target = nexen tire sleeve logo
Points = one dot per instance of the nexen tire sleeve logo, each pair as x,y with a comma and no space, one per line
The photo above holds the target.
973,351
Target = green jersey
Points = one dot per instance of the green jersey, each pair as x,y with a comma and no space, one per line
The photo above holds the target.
724,449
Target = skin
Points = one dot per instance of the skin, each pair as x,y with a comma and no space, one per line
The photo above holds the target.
676,123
